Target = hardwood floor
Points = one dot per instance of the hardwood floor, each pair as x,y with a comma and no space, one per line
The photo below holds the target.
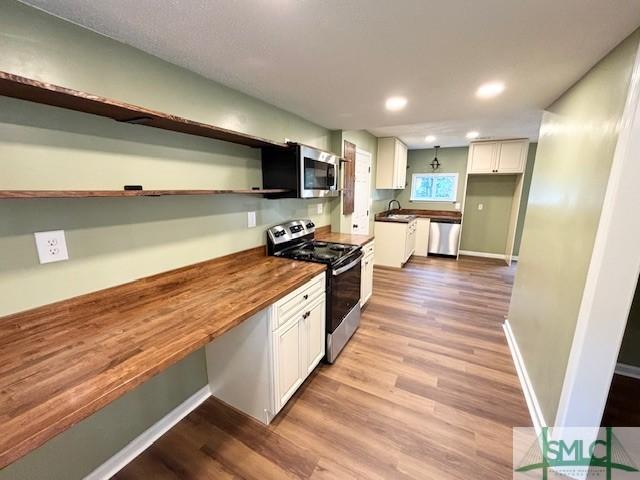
426,389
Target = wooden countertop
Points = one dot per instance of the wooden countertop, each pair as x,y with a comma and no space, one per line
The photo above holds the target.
326,235
62,362
433,214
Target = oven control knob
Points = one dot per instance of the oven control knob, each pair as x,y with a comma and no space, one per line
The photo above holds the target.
311,225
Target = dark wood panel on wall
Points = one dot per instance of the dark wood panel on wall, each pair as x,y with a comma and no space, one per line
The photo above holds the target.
349,183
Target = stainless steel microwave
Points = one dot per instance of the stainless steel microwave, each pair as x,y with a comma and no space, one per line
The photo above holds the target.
304,171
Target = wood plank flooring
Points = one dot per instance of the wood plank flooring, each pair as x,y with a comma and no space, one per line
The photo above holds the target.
426,389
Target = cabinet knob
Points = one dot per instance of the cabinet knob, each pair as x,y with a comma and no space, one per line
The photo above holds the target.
305,296
305,315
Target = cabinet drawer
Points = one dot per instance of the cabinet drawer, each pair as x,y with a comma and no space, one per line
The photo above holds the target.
298,300
367,249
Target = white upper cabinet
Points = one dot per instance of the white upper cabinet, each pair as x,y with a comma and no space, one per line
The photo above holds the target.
512,156
505,156
391,164
482,157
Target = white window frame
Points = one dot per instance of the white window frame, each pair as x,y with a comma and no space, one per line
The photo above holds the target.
455,187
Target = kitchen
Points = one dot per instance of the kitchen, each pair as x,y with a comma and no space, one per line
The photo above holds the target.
173,280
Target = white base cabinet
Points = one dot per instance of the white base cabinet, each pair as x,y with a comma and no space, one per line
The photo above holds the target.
422,237
396,242
366,277
257,366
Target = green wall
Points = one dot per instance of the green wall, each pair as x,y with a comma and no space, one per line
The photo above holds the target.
453,160
630,349
575,151
112,241
524,200
484,230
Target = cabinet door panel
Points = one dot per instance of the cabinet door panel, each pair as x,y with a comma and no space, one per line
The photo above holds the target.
482,157
315,330
400,164
512,156
367,279
288,345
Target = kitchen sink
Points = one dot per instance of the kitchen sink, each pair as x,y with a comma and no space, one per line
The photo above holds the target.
397,216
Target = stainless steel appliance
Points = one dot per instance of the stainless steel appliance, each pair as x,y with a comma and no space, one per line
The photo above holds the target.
306,172
444,235
295,239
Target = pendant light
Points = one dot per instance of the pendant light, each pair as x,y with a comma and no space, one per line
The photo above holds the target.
435,164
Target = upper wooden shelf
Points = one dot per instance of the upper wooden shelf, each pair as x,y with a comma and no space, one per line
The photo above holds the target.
32,90
127,193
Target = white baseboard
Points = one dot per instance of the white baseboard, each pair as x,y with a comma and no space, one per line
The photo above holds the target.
145,439
470,253
628,370
525,382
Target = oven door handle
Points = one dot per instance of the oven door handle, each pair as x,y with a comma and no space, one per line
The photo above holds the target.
347,267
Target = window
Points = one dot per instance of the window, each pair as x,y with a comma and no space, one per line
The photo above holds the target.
434,187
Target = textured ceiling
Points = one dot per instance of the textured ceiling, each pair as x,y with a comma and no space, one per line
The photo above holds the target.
335,61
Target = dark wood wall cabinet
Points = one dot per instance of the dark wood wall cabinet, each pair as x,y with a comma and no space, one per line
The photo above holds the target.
349,182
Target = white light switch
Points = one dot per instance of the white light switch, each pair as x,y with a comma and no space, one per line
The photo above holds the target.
52,246
319,208
480,206
251,219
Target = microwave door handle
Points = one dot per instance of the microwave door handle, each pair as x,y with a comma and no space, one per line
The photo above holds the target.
347,267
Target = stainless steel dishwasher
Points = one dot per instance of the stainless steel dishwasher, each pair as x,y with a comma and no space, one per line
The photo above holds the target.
444,235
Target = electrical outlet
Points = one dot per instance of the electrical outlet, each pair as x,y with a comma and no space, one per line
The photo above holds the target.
457,206
319,208
51,246
480,206
251,219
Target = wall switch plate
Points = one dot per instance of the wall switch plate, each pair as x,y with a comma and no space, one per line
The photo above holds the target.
480,206
319,208
251,219
51,246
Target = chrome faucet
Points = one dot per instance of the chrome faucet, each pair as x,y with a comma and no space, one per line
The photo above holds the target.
394,200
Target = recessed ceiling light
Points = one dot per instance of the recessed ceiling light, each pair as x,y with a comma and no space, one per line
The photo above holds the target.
429,138
395,103
473,134
489,90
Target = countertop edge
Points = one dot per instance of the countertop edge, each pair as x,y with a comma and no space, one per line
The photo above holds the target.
30,443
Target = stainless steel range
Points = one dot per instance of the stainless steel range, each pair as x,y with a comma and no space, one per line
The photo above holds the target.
296,240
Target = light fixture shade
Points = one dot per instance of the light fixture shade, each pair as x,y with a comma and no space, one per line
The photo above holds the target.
435,164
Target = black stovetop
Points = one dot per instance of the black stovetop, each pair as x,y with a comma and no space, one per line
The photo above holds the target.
317,251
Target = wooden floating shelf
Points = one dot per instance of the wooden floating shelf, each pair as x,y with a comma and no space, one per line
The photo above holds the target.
4,194
32,90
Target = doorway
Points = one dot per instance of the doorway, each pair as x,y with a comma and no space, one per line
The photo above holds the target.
361,194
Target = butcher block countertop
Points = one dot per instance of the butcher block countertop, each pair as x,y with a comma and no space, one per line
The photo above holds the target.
62,362
326,235
415,212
